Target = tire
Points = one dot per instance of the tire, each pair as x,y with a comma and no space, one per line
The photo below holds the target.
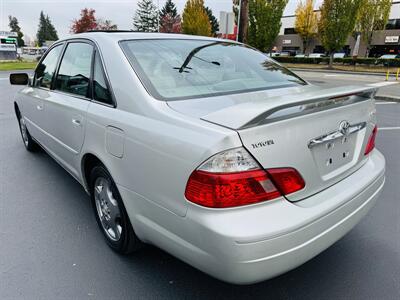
29,143
110,213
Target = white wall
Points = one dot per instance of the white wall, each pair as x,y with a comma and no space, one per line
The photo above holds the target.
395,12
287,23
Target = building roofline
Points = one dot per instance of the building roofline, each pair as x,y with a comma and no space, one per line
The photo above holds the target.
317,10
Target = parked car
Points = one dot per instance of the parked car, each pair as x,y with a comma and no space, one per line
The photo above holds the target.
386,59
205,148
286,54
316,55
275,54
339,55
389,56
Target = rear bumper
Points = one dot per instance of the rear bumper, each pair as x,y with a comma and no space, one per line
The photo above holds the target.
258,242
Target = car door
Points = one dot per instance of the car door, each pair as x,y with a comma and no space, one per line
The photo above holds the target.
34,96
67,104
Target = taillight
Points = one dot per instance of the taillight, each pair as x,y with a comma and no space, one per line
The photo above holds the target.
233,178
231,189
288,180
371,141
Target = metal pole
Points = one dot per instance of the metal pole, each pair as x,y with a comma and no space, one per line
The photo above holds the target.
238,21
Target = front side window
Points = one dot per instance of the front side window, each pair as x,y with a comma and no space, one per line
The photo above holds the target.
45,70
74,74
101,92
183,69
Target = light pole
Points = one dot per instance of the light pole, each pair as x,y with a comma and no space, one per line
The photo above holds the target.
238,21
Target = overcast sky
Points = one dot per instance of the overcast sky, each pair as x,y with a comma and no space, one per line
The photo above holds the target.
62,12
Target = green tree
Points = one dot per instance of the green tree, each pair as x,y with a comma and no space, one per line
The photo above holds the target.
213,21
195,19
373,15
306,24
170,20
169,9
46,30
51,30
235,9
146,17
337,22
264,22
14,26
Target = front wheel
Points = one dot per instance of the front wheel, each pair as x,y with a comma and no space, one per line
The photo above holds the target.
110,212
29,143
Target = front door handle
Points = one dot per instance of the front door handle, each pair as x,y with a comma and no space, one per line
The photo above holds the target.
39,107
76,122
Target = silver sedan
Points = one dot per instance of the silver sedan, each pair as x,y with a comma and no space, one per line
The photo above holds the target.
205,148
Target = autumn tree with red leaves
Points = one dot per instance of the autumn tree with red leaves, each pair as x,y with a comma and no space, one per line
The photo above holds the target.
170,24
87,21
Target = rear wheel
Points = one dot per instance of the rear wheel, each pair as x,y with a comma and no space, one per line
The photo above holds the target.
110,212
29,143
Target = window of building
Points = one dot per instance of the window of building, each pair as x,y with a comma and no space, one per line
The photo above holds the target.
290,31
393,24
74,74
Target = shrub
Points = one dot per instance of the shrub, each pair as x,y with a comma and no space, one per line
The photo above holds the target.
368,61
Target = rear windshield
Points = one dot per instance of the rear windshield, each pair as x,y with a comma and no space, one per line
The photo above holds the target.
173,69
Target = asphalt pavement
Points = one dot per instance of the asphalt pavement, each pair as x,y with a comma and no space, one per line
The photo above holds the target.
51,248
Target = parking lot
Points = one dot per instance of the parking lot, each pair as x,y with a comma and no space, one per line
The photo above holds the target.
51,248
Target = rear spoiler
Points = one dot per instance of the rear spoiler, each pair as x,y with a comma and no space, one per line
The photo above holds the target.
250,114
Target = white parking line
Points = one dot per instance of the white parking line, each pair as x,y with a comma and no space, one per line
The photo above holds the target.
382,83
383,103
388,128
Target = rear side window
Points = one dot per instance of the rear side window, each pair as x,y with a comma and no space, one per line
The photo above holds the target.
74,74
101,92
45,70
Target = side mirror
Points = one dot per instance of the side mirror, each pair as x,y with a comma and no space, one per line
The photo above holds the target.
19,78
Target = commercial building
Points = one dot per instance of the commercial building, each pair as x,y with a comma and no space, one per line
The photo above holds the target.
383,42
8,45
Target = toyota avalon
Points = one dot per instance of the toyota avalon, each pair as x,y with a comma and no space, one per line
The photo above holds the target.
205,148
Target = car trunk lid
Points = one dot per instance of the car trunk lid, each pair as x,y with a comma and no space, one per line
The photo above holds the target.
320,133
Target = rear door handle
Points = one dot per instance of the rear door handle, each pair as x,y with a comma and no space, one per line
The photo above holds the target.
76,122
39,107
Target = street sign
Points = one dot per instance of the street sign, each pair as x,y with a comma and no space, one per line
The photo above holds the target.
8,47
392,39
8,41
226,22
8,34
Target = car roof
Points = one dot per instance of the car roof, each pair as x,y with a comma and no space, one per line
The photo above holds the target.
131,35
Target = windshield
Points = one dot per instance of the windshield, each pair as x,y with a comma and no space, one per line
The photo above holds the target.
173,69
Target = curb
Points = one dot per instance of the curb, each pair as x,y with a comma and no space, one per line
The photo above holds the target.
387,98
342,72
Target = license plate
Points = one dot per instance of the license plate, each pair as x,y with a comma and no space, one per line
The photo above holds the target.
334,153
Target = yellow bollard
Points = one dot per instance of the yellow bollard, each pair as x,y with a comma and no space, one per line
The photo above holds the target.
397,74
387,75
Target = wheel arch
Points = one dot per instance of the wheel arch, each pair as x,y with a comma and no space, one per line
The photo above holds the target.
88,162
17,110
